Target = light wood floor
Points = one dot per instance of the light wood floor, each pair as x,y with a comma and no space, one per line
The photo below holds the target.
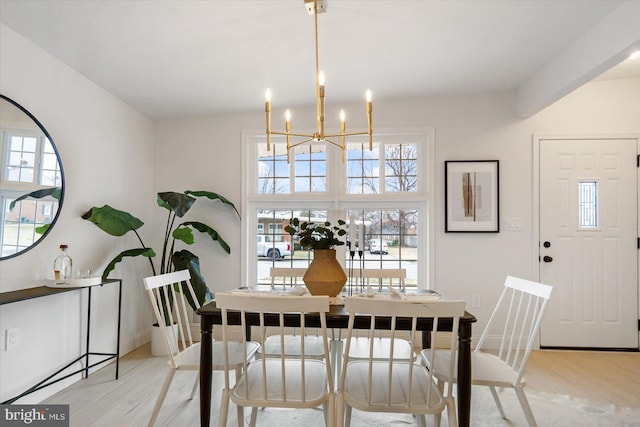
600,376
605,377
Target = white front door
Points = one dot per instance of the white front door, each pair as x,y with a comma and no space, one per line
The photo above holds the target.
588,242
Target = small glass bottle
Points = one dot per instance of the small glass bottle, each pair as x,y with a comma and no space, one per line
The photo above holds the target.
62,265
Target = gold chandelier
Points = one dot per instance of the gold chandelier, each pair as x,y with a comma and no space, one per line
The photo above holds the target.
315,7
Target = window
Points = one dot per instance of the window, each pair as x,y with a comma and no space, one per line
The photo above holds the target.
588,204
386,189
29,163
397,162
306,173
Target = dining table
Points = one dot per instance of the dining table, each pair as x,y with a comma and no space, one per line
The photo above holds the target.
337,318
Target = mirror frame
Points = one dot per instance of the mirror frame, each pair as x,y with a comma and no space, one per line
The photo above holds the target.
60,202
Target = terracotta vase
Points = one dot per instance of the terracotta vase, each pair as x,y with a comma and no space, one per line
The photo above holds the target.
325,275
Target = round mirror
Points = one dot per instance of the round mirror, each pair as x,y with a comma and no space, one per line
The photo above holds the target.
31,180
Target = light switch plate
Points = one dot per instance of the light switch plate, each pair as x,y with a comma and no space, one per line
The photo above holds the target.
12,338
513,224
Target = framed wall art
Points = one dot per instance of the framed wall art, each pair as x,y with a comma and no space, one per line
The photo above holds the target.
471,196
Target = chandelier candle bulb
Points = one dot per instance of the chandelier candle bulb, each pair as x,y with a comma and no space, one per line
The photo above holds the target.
267,109
369,121
343,127
287,125
321,104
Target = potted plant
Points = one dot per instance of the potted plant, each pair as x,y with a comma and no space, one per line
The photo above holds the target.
325,275
118,223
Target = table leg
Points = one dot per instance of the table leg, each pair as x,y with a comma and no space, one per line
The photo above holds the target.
119,321
86,363
206,349
464,375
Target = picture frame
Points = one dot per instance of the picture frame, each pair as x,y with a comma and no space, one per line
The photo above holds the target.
472,196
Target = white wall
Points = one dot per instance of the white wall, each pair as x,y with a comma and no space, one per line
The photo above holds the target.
482,126
107,154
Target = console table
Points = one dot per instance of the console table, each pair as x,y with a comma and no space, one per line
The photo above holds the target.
43,291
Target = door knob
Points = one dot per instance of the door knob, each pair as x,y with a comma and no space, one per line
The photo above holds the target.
547,258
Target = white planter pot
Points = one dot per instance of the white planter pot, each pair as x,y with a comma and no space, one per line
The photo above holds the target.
158,347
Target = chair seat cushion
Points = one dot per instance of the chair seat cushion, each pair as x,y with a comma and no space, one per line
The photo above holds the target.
359,348
250,390
486,369
313,346
190,357
356,386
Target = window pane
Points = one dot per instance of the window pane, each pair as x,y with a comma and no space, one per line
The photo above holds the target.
390,240
310,168
29,145
26,175
281,186
303,185
28,160
273,169
588,204
274,221
363,171
15,158
16,143
401,168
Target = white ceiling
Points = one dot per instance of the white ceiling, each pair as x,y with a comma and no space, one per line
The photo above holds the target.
172,59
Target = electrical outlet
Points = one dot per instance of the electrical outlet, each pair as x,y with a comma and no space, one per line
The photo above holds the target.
475,301
12,338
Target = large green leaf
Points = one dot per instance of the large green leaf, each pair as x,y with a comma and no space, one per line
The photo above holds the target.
186,260
184,234
213,196
147,252
204,228
113,221
178,203
54,192
43,228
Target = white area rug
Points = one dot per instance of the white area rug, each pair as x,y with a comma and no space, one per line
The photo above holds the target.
550,410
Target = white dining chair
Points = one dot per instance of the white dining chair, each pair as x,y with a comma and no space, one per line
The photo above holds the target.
313,345
397,386
286,276
278,381
383,277
172,288
378,279
515,322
